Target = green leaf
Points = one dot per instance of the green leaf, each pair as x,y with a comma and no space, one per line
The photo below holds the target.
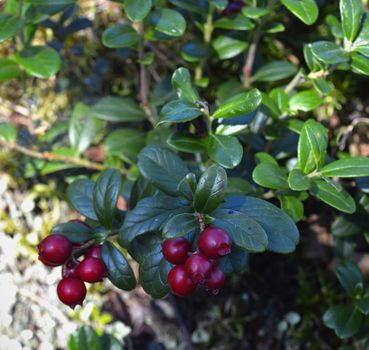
245,232
120,35
125,143
181,82
228,46
79,194
119,271
329,52
141,188
333,195
312,146
150,214
298,181
9,26
85,339
105,197
234,262
181,225
360,64
8,132
185,142
118,109
137,10
224,150
193,51
276,70
39,61
282,232
163,167
8,70
51,2
305,101
293,206
210,189
270,176
345,320
335,26
345,226
179,111
243,103
351,13
280,97
311,60
219,4
305,10
169,22
347,167
187,186
361,43
75,231
255,12
263,157
349,276
239,22
237,186
82,127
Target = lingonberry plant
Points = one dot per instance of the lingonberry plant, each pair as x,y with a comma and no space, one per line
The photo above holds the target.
213,137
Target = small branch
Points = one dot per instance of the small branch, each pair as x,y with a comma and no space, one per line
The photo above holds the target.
297,79
57,158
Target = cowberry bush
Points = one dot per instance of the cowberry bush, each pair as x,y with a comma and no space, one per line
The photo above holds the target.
199,133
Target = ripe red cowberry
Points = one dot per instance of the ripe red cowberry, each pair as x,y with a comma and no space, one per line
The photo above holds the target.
179,282
91,270
54,250
94,252
69,270
198,268
176,250
71,291
215,281
45,262
214,243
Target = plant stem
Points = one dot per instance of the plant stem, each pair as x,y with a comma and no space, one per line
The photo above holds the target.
297,79
57,158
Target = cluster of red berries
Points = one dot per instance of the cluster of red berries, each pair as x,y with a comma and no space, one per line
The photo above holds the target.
57,250
233,7
200,267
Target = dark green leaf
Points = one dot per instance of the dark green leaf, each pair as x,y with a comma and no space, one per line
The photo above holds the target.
187,186
9,26
210,189
179,111
345,226
298,181
305,101
119,271
234,262
75,231
194,51
347,167
167,21
120,35
329,52
181,82
181,225
349,276
141,188
105,197
137,10
185,142
270,175
274,71
351,13
306,10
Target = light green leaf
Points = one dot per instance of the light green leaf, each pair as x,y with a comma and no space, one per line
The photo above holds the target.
347,167
179,111
9,26
137,10
270,175
276,70
167,21
329,52
351,14
120,35
306,10
181,82
239,22
228,46
305,101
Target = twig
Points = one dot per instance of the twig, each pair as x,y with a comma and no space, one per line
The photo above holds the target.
56,157
181,324
297,79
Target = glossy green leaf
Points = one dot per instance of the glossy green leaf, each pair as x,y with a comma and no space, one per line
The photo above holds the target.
293,206
167,21
181,225
79,194
9,26
305,101
179,111
219,4
276,70
361,43
193,51
120,35
333,195
298,181
335,26
137,10
39,61
263,157
118,109
329,53
270,176
239,22
118,269
351,14
306,10
224,150
181,82
234,262
105,197
255,12
347,167
243,103
185,142
8,70
349,276
227,46
163,167
280,97
8,132
210,189
360,64
75,231
187,186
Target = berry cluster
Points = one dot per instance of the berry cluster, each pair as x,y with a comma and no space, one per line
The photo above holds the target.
200,267
233,7
56,250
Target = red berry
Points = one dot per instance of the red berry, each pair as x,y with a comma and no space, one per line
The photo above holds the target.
45,262
215,281
91,270
94,252
176,250
55,250
69,270
214,243
198,268
71,291
179,282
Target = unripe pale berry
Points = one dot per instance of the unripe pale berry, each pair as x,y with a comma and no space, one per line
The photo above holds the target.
214,243
179,282
54,250
71,291
176,250
198,267
91,270
215,281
